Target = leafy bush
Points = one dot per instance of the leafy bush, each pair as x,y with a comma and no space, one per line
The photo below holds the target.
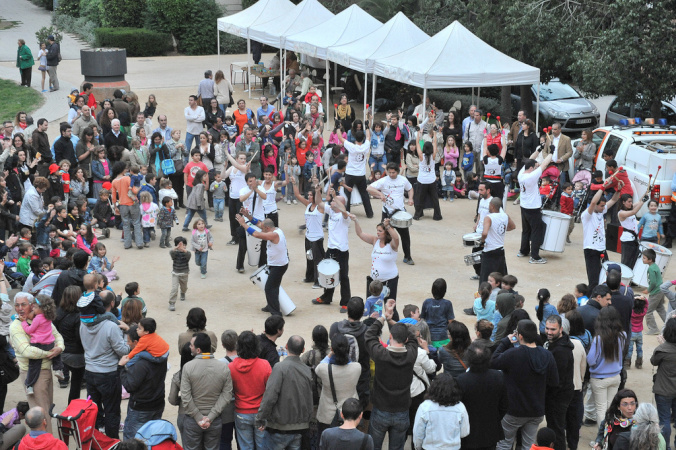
232,45
446,99
47,4
199,40
127,12
80,26
43,33
137,41
91,10
68,8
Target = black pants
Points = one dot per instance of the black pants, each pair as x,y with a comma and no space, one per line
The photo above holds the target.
360,183
26,75
403,234
343,259
555,413
274,216
76,377
532,233
574,419
392,285
422,192
671,224
272,288
35,365
241,251
593,261
210,195
233,209
177,183
105,389
492,261
497,189
477,267
317,248
629,253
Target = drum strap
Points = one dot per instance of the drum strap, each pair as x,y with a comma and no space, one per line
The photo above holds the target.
253,204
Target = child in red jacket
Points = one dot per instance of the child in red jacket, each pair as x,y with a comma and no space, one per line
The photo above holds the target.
567,206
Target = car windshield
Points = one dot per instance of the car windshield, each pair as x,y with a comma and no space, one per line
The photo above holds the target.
556,91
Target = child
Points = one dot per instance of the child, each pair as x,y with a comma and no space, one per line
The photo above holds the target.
448,182
180,270
545,188
166,219
459,187
378,160
651,224
376,289
289,100
166,190
219,188
86,239
195,203
333,137
578,193
544,309
42,337
64,167
438,313
484,307
656,297
57,249
637,314
90,304
74,219
411,312
103,212
202,241
292,169
100,264
135,181
308,170
567,206
467,159
230,127
16,415
148,216
580,293
149,187
37,272
472,185
25,254
544,440
133,290
63,229
150,345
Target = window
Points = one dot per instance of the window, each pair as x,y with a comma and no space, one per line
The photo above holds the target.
621,108
612,144
555,91
598,137
669,114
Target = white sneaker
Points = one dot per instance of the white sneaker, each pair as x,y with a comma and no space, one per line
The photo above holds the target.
295,202
517,202
29,390
288,202
59,374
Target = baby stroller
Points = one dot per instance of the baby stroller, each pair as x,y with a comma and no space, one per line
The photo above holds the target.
79,421
552,174
583,176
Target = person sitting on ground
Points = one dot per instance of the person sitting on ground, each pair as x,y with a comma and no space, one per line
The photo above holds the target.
39,437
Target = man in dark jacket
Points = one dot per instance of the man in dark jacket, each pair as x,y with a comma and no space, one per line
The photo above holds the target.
122,108
286,408
528,371
620,298
392,382
63,147
484,396
274,328
600,298
352,326
144,381
72,276
53,56
557,398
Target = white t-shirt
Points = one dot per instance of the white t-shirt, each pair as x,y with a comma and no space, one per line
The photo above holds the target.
339,227
426,173
313,224
277,253
483,211
270,202
237,182
630,223
496,234
530,194
393,189
257,210
356,161
593,231
383,262
493,169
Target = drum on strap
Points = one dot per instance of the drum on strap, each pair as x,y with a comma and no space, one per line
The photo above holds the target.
471,240
556,231
662,258
627,273
328,273
253,247
473,258
401,219
260,277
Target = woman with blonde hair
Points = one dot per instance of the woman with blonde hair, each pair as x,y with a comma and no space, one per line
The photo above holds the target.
222,90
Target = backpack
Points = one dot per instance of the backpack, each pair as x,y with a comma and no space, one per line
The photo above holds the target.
155,432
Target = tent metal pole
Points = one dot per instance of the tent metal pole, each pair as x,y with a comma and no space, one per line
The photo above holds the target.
424,109
326,94
218,43
366,92
373,92
335,74
537,110
478,97
248,55
282,75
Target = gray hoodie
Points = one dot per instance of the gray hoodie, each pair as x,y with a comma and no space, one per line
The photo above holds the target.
104,345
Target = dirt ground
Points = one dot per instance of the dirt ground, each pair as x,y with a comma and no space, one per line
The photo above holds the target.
230,299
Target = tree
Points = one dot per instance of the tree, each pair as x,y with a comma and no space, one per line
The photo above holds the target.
632,54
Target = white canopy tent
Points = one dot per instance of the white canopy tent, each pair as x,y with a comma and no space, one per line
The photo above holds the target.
349,25
395,36
239,24
456,58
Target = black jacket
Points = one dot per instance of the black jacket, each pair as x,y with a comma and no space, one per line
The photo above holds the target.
68,324
120,140
268,350
623,304
63,149
589,313
53,52
145,383
485,398
525,145
562,350
70,277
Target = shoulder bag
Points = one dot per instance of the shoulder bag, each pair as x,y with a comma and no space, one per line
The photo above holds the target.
337,419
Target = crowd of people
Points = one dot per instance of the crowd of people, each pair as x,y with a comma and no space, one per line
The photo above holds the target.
354,386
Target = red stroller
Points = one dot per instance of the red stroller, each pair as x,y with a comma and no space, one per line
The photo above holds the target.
79,421
552,174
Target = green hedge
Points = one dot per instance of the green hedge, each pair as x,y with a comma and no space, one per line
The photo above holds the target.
137,41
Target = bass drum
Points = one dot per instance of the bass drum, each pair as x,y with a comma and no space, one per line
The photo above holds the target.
260,277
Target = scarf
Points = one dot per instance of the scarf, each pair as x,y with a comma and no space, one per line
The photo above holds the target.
344,111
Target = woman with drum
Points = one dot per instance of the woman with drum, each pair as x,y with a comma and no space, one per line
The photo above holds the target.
629,224
270,186
383,257
427,179
314,233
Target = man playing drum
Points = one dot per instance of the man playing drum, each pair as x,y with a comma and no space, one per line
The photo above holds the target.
482,211
533,228
252,197
495,225
338,248
390,190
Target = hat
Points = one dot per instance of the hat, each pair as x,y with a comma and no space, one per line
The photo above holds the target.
123,92
53,168
107,185
50,37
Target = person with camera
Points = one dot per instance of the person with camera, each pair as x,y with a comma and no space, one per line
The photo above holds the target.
396,134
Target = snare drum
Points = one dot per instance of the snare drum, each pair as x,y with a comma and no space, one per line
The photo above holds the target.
328,271
473,258
401,219
253,247
260,277
471,240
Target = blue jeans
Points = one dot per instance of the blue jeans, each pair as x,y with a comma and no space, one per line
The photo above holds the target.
636,338
131,217
278,441
189,139
219,207
249,437
136,419
666,406
380,163
191,213
201,260
147,231
383,422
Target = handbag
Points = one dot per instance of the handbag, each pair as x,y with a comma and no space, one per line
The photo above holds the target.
9,370
337,419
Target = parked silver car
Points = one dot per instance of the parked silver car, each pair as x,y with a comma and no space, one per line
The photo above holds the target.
619,110
560,102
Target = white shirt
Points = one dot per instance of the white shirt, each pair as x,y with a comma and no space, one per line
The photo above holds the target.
257,210
493,169
630,223
530,194
393,189
483,212
383,262
356,161
313,224
426,173
270,203
277,253
339,227
496,234
194,119
593,231
237,182
555,143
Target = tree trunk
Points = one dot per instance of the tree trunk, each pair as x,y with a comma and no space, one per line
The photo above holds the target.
506,101
527,102
656,109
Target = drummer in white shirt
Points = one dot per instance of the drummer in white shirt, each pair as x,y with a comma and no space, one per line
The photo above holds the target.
390,190
355,173
338,247
314,234
495,225
485,197
533,228
251,196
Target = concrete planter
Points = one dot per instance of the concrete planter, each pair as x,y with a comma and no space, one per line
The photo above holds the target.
105,68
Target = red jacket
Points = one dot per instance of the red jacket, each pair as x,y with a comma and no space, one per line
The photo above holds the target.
567,204
249,377
621,176
43,442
